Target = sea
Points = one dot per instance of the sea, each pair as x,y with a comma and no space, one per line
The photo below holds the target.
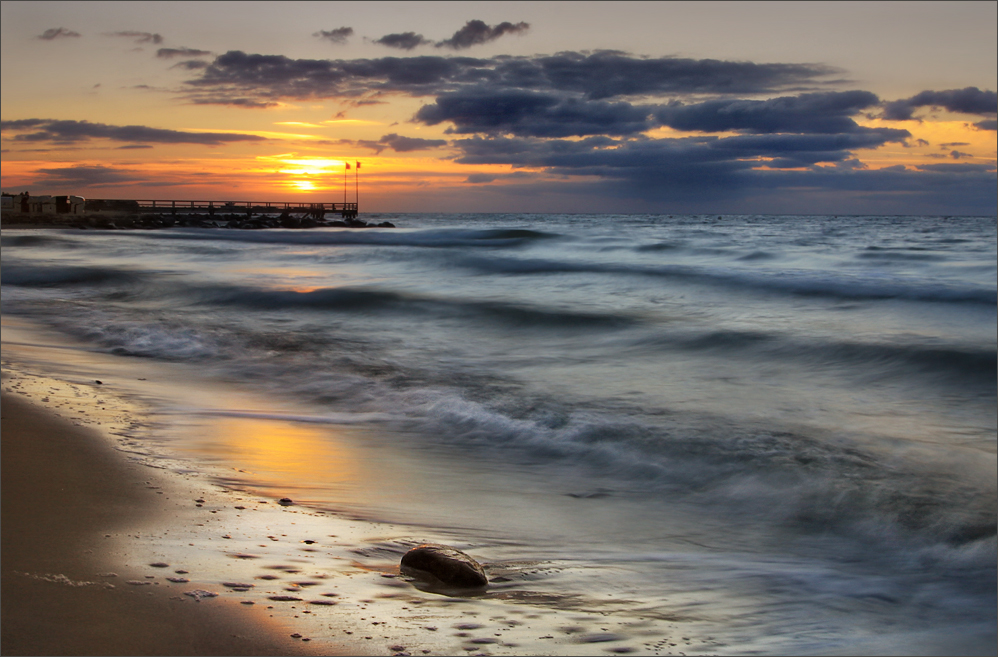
778,432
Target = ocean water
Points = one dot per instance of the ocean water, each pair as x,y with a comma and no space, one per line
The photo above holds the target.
779,431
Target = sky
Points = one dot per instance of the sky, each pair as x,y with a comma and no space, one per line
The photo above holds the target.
622,107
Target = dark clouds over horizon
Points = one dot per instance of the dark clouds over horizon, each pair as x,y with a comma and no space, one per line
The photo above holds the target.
596,76
588,114
65,132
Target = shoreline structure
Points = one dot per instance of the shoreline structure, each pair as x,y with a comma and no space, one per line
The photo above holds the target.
24,211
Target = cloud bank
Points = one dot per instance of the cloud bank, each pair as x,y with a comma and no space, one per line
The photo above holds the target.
66,132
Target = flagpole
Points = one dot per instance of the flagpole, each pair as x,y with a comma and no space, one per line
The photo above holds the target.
356,180
346,167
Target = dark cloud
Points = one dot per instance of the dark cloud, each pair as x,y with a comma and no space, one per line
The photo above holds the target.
531,114
403,41
75,131
485,178
970,100
987,124
170,53
685,175
596,76
956,155
828,112
806,149
476,32
86,176
57,33
696,161
338,36
139,37
191,65
248,103
400,144
958,168
606,74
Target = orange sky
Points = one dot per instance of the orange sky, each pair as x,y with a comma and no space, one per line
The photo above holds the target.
106,67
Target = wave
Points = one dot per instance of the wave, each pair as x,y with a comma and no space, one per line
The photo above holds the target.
351,299
807,485
974,367
802,283
34,240
63,275
431,238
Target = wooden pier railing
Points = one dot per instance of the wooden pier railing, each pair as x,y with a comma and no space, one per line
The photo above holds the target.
315,210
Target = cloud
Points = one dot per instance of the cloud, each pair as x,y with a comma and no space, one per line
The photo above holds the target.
57,33
691,174
140,37
476,32
692,163
486,178
400,144
248,103
958,168
531,114
86,176
337,36
827,112
969,100
192,65
403,41
170,53
607,74
596,76
987,124
75,131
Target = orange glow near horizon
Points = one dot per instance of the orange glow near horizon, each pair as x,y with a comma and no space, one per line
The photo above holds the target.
303,171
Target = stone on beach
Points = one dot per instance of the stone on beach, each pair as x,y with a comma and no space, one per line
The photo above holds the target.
449,565
198,594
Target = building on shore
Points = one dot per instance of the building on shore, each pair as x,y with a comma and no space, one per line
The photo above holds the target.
28,204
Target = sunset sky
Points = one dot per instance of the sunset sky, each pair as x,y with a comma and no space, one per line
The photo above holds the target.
858,108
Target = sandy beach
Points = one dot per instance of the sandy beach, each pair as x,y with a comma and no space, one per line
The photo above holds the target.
65,493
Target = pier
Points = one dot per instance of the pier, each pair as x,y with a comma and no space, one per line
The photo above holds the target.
316,211
76,211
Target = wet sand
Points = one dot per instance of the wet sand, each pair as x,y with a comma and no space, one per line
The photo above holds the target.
64,490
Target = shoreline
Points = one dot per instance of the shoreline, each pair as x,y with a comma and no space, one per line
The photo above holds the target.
288,579
65,492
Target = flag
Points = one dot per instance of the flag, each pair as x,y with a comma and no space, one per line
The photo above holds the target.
358,165
348,165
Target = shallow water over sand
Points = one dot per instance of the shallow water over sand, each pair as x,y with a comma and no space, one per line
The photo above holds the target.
777,433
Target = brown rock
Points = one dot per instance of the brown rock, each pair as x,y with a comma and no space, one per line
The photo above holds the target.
452,567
